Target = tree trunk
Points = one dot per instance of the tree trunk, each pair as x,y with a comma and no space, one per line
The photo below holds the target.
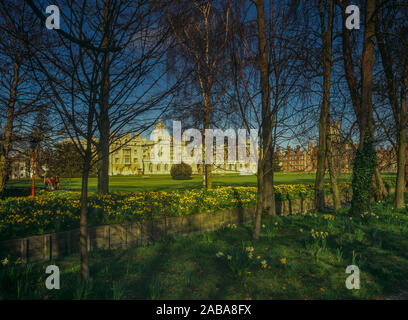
401,164
266,195
104,125
364,166
268,191
399,113
259,204
326,35
103,163
83,229
320,170
103,144
379,190
4,152
333,174
207,176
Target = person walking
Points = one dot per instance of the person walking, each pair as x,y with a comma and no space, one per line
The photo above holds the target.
48,183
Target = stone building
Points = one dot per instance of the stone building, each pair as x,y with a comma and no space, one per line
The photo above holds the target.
20,167
132,155
135,155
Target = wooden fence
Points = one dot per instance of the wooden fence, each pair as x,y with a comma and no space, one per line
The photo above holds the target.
56,245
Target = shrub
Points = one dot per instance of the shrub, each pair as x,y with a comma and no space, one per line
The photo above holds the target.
181,171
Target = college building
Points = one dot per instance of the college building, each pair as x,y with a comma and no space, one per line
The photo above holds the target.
135,155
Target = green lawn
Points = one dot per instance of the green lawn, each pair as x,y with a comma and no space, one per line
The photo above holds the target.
166,183
297,265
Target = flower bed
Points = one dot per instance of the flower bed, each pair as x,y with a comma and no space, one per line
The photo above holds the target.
59,211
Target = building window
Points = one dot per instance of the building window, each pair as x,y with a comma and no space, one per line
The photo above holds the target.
127,160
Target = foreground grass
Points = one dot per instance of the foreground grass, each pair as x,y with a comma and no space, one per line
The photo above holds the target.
297,265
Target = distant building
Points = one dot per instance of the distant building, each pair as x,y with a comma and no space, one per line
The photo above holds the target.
297,160
133,156
20,167
305,160
387,159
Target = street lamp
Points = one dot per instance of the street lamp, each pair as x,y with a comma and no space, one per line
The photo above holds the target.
33,144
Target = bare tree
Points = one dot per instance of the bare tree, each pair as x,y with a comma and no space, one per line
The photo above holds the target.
201,31
365,168
127,43
129,76
325,146
96,87
265,63
393,44
18,95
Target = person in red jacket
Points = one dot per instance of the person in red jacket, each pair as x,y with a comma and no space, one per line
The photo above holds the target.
47,183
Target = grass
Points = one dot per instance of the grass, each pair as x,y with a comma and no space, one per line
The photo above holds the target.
166,183
298,265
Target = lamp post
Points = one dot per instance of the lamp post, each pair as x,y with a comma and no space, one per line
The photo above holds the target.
34,144
33,175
